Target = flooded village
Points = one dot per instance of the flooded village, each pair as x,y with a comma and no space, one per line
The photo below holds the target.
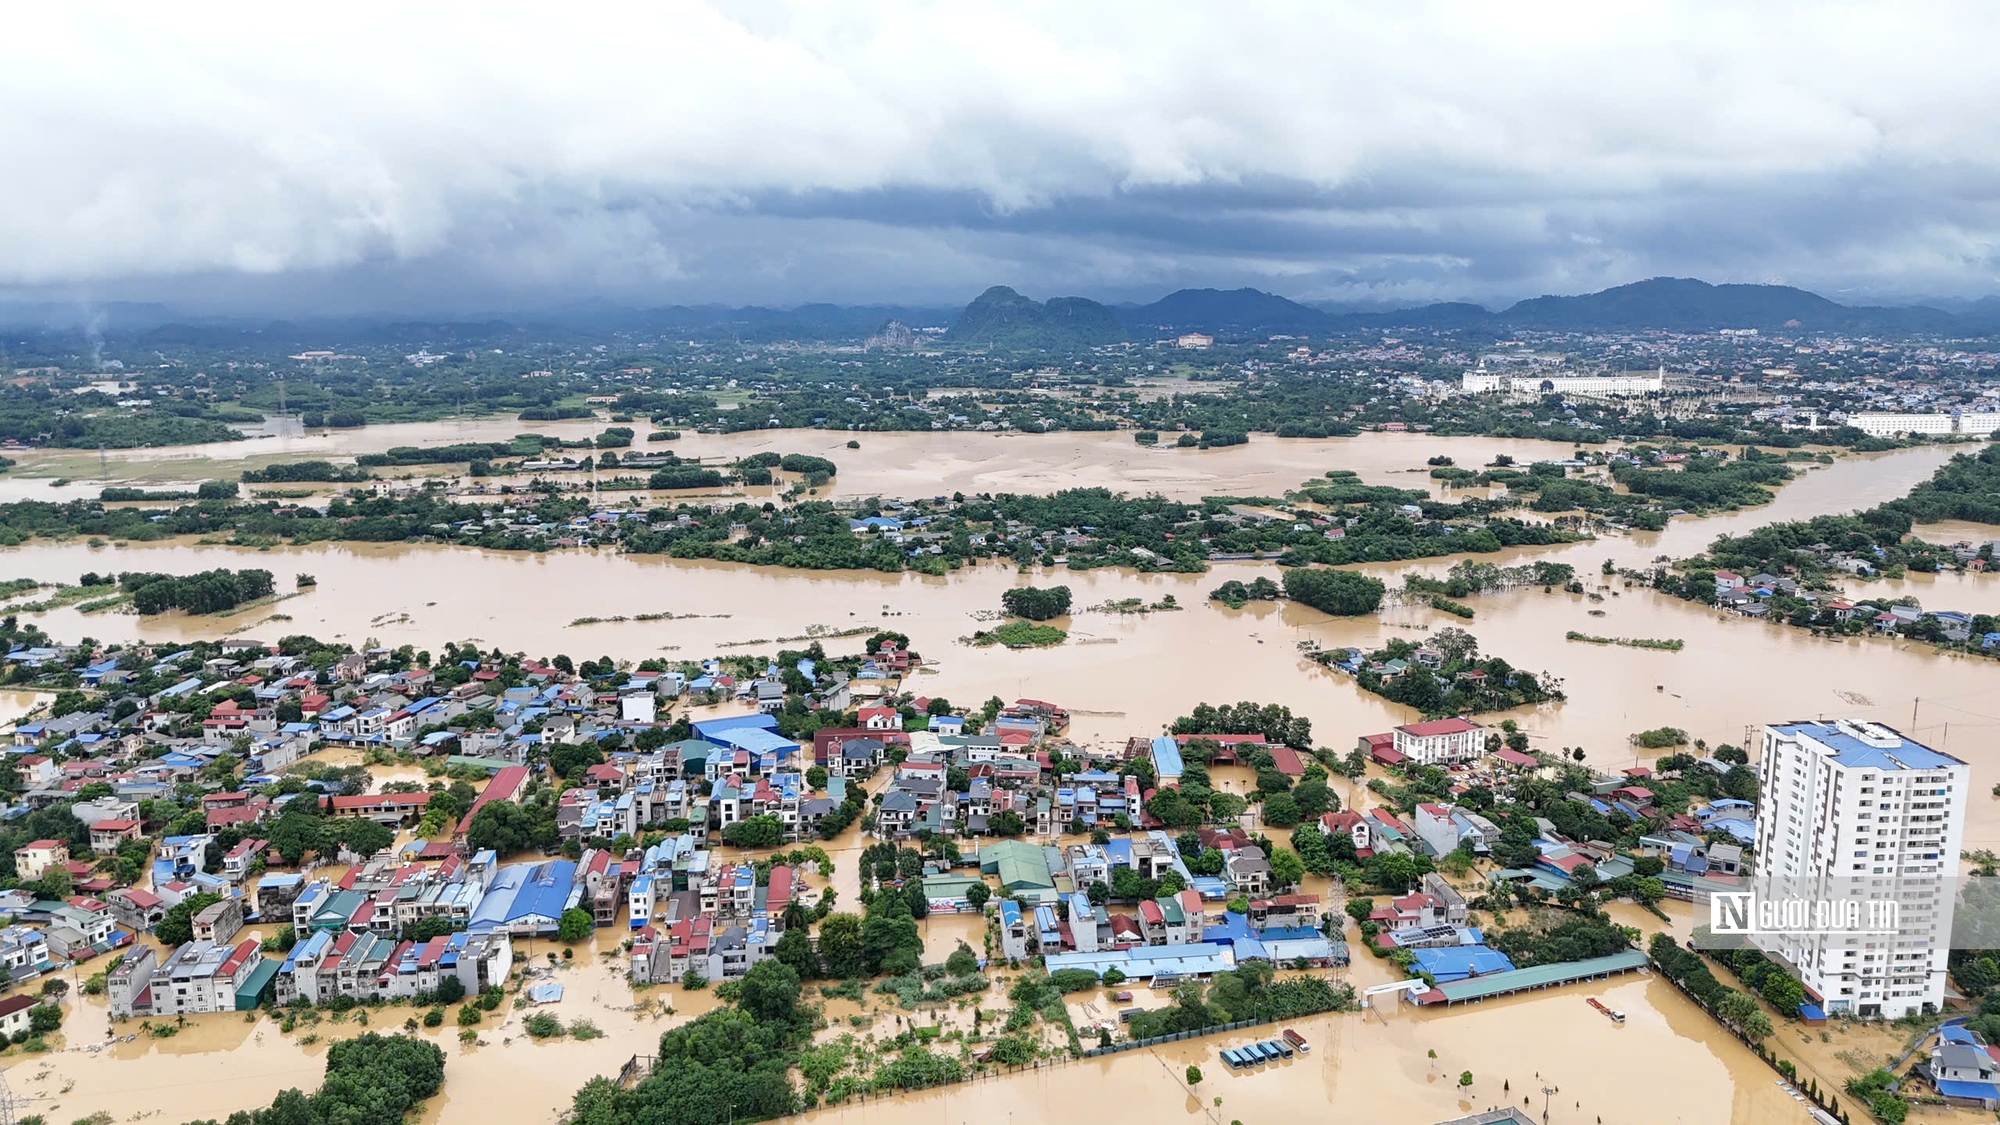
541,809
931,564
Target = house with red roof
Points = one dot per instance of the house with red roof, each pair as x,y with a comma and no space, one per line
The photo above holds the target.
1286,760
237,861
1411,912
106,835
35,857
778,896
14,1017
1357,828
1285,911
37,771
233,814
502,787
135,910
1564,862
1440,742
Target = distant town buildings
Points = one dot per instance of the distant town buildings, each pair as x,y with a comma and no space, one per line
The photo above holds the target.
1971,423
1617,385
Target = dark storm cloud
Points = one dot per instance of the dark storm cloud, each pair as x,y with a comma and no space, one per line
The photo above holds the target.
371,159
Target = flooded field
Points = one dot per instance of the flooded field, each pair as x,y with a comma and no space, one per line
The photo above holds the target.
887,464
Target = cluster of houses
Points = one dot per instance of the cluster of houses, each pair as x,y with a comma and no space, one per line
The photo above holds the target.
397,924
349,932
691,914
348,705
1751,597
1047,908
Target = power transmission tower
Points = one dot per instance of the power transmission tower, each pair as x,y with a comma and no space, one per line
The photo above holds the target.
8,1101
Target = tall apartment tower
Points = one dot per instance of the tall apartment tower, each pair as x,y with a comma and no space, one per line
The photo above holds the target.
1856,813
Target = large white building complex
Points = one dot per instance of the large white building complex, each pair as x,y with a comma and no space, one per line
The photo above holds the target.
1859,813
1621,385
1896,425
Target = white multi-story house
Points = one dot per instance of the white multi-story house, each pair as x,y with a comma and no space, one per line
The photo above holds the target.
1440,741
1856,811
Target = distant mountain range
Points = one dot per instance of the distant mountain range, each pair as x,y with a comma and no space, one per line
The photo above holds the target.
1674,304
1683,305
1005,318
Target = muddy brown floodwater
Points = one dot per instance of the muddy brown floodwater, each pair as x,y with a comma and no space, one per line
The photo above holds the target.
887,464
1666,1064
1120,675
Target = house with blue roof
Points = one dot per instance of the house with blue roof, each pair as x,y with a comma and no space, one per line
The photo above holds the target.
1962,1070
1461,962
768,749
708,729
527,898
1167,766
1014,932
94,674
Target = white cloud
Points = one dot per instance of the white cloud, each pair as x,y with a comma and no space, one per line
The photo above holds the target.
691,149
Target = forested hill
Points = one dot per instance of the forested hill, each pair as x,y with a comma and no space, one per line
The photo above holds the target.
1002,317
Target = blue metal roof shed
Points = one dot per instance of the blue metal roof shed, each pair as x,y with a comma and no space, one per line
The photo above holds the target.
708,729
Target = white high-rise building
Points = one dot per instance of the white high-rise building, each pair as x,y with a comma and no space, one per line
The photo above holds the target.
1856,812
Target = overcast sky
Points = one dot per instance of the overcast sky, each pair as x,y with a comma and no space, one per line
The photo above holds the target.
403,158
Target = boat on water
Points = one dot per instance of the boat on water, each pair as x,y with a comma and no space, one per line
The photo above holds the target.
1615,1015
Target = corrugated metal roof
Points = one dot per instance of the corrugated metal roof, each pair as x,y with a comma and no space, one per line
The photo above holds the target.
1540,976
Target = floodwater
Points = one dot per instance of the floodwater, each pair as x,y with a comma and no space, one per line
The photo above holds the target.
15,703
1130,674
887,464
1666,1064
218,1064
1120,676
